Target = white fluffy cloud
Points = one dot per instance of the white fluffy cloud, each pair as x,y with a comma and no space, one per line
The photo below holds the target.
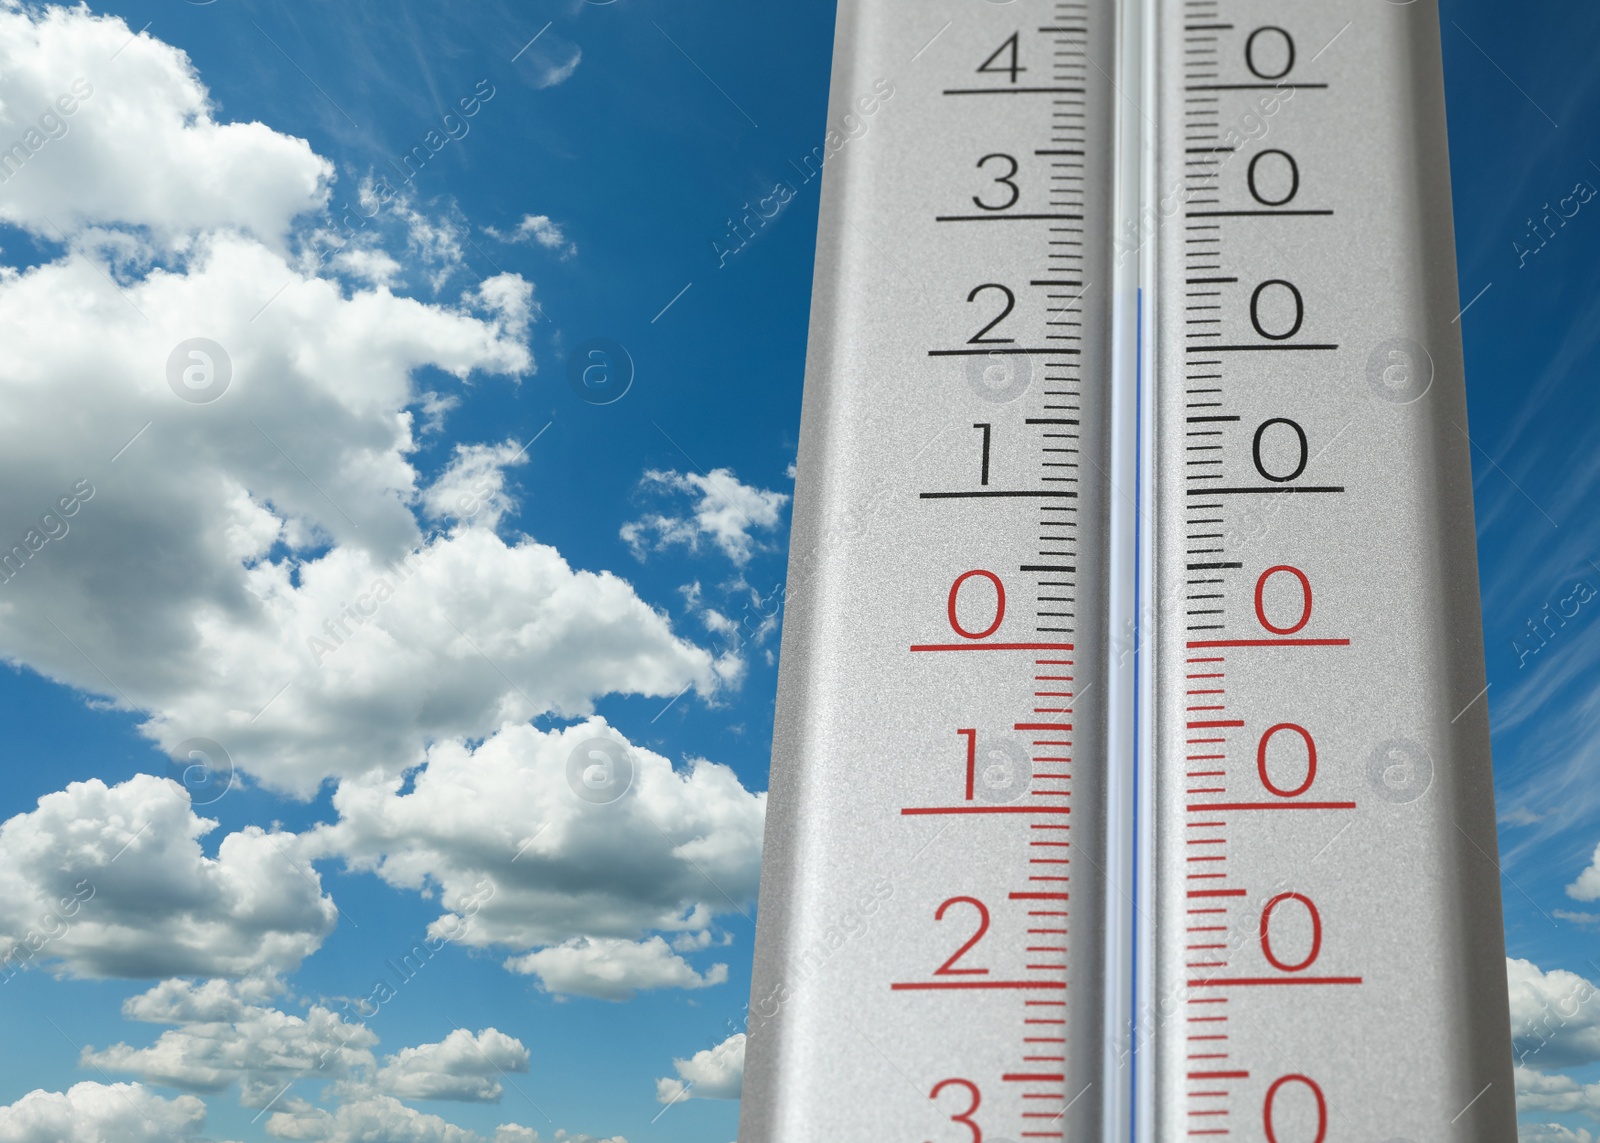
608,968
101,1113
229,1033
724,511
383,1119
712,1073
576,882
1555,1015
227,572
1587,886
474,486
1551,1133
541,229
460,1067
1537,1091
112,881
225,1037
140,146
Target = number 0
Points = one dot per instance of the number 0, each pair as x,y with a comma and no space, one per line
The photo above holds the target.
1272,1095
1266,932
1261,609
999,606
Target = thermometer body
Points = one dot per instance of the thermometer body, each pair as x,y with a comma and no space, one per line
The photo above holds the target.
1131,775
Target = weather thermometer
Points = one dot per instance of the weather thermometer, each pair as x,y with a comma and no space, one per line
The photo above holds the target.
1131,778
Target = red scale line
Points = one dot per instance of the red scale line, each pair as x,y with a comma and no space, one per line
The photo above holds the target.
991,646
1294,805
911,810
1252,981
986,985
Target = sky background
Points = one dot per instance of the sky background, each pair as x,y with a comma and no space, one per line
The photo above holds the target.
582,570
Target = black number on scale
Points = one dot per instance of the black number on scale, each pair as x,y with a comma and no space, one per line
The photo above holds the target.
1255,309
1004,180
1271,178
1009,65
1262,41
984,427
1300,437
1011,301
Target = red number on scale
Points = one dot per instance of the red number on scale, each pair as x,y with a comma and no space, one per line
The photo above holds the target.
1261,611
1266,932
1311,760
965,1117
971,735
999,607
1272,1095
948,967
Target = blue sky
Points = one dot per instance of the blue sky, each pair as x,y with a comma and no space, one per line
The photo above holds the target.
610,150
1523,95
599,165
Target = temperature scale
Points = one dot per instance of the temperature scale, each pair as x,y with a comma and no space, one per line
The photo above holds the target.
1131,778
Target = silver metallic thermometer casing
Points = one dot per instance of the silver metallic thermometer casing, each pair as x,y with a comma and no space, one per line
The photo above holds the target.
1131,775
1328,943
931,942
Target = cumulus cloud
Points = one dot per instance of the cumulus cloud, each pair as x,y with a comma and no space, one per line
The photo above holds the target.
539,228
612,969
1587,886
369,265
225,565
724,510
140,146
473,488
1551,1133
229,1033
227,559
383,1118
112,881
101,1113
1555,1015
380,1117
460,1067
1537,1091
575,882
713,1073
225,1038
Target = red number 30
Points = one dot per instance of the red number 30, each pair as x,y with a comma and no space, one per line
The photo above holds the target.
964,1118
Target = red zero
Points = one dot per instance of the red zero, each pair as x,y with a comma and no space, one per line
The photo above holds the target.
1000,604
1322,1107
1261,611
1311,760
1266,932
